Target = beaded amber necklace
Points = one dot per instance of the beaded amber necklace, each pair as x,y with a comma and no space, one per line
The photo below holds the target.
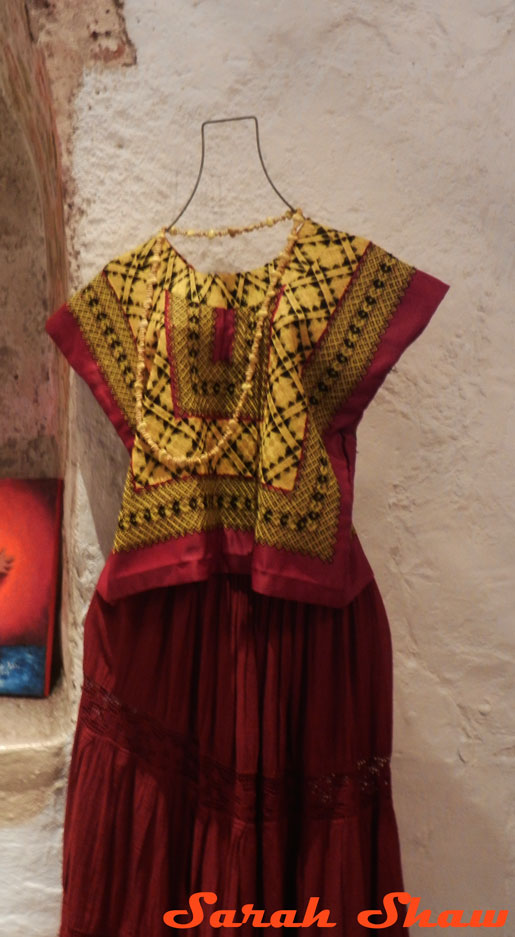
162,455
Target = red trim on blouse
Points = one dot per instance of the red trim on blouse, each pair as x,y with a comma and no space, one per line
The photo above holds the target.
63,328
421,299
274,572
224,334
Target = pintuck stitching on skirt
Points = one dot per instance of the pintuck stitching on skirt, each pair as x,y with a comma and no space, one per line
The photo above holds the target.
220,787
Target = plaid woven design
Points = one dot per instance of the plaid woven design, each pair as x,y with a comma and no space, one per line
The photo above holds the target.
275,477
109,338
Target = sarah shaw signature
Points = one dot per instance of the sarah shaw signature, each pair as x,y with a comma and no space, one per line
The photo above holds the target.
312,918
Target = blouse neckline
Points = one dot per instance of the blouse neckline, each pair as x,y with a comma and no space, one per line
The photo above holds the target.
222,277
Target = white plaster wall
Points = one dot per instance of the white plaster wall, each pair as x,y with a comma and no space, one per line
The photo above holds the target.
391,121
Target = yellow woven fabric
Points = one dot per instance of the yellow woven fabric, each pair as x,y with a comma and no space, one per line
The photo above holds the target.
275,478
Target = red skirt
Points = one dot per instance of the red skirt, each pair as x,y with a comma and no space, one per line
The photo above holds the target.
232,743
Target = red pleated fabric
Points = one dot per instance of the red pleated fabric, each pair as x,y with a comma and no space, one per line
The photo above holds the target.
233,743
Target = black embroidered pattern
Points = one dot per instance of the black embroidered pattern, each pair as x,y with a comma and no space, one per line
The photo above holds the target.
274,480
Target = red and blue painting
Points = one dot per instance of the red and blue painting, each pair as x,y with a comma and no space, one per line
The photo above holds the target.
30,546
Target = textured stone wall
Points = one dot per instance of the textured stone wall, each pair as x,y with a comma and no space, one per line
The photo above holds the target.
390,121
42,55
34,734
28,408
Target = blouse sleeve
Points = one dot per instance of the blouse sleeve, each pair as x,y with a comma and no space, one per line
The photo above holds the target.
95,334
388,304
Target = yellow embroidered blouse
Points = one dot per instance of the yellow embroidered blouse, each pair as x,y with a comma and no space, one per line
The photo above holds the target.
278,503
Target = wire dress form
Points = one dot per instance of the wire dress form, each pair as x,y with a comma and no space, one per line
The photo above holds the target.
223,120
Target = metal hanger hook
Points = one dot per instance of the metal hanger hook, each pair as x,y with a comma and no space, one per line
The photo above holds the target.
223,120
